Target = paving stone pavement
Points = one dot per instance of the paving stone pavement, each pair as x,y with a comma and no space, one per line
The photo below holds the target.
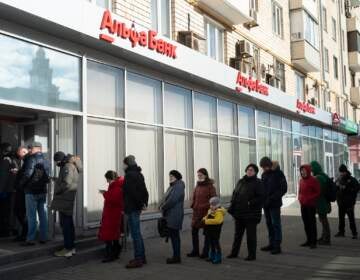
341,260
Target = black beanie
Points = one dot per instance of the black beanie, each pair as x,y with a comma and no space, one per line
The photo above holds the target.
254,166
343,168
176,174
59,156
130,160
265,162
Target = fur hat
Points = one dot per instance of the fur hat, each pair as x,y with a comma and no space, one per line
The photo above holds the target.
215,201
343,168
59,156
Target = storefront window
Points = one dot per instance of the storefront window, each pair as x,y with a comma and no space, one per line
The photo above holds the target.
304,129
246,119
263,118
264,145
286,124
37,75
312,131
275,121
205,112
178,106
288,160
319,132
247,150
226,115
296,127
327,134
306,150
276,146
143,97
178,156
228,158
105,90
104,153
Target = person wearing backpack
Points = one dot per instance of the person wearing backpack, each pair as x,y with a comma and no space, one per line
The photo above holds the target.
136,199
347,190
323,206
34,180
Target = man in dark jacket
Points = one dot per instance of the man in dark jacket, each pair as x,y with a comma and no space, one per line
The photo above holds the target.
64,199
34,180
135,200
347,190
275,187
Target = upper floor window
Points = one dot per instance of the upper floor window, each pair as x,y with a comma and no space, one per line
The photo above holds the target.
324,18
326,60
215,41
345,109
277,19
311,31
280,75
337,104
106,4
160,16
299,86
336,72
333,28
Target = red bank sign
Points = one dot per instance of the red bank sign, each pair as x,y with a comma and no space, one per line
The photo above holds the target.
250,84
305,107
143,38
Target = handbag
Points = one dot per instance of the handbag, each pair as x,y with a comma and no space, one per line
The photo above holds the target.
163,229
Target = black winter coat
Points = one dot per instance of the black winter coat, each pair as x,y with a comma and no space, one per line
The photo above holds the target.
275,187
247,199
7,177
134,189
347,189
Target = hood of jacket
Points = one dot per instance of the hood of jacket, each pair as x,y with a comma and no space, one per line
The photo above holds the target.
307,167
77,162
316,168
205,183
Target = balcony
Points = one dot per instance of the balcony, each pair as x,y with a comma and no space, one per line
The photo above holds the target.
310,6
305,56
353,24
231,12
355,95
354,61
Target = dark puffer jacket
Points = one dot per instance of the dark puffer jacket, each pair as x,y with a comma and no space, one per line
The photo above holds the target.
275,185
247,199
66,186
7,177
347,190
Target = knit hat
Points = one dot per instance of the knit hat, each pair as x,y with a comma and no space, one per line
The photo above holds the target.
265,162
59,156
130,160
215,201
253,166
343,168
176,174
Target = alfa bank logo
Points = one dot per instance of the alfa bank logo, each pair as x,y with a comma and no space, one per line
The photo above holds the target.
144,39
250,84
305,107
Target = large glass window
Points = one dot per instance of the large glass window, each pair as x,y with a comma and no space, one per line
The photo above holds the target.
277,19
311,31
228,165
143,99
160,16
264,145
246,120
326,60
177,107
226,115
205,112
247,151
37,75
144,142
299,86
276,146
287,149
215,41
275,121
263,118
105,90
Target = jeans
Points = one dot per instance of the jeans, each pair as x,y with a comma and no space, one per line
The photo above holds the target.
308,215
325,236
68,229
349,211
273,223
138,243
240,227
36,203
195,242
174,235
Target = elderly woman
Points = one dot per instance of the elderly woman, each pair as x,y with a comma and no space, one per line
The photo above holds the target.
172,208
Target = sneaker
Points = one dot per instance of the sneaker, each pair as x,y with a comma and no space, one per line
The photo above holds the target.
267,248
63,253
193,255
217,258
339,234
134,264
173,260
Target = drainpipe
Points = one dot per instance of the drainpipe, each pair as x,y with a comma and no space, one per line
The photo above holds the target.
341,56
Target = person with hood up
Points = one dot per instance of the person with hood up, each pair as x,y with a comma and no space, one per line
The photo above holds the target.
66,186
203,191
275,188
246,205
323,207
112,216
213,222
347,190
309,192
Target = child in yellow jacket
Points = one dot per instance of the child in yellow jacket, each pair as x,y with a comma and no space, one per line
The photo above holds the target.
213,223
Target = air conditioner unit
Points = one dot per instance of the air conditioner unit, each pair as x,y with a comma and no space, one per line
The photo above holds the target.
189,39
243,49
296,36
235,63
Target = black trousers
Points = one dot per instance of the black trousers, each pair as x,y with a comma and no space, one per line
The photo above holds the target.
308,215
20,213
195,242
215,245
349,211
68,229
5,211
251,236
174,235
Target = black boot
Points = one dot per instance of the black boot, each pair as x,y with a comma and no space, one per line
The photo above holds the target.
117,249
109,253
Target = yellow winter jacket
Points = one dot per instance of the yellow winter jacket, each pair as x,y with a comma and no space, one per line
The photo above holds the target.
215,218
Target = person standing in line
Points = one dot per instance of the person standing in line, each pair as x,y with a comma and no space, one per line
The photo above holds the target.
309,192
112,217
64,199
213,222
275,188
19,206
203,191
172,208
34,181
323,204
347,190
136,199
245,207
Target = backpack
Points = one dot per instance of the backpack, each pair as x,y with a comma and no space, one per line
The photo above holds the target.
163,228
39,179
331,190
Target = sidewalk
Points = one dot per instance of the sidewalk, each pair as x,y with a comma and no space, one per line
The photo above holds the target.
339,261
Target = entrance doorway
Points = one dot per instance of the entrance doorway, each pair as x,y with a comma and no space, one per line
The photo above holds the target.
21,126
329,164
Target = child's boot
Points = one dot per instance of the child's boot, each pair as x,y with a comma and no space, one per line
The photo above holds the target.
218,258
211,257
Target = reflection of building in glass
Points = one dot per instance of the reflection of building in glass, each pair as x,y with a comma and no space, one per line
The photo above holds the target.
41,79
